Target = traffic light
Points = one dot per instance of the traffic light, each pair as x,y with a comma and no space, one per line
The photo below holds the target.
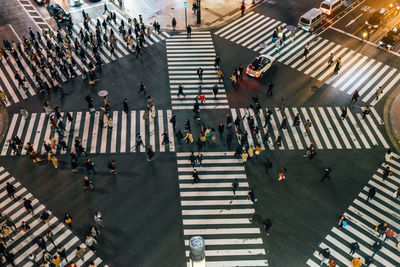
185,4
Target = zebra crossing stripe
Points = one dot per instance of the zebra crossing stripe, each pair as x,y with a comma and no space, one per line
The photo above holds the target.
142,130
11,128
319,124
393,82
249,16
302,129
86,130
285,131
330,129
325,67
366,75
170,131
67,133
275,130
104,136
364,89
294,131
313,132
123,132
297,47
95,132
312,51
39,131
152,132
364,125
76,128
358,130
356,74
349,130
160,130
338,127
257,22
113,148
132,147
258,136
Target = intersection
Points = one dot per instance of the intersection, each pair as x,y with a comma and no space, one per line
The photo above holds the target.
152,208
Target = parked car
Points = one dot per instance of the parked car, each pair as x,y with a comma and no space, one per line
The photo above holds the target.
259,66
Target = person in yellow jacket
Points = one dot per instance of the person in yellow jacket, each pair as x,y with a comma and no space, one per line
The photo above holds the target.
220,75
356,262
244,156
258,150
56,260
188,138
250,151
3,97
54,160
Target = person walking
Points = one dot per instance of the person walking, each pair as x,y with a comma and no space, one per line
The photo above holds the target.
307,126
270,87
282,105
267,165
142,88
174,23
325,254
180,90
235,186
200,73
344,113
79,252
10,223
44,216
217,62
242,8
220,75
267,225
150,153
378,92
113,168
389,234
356,262
125,105
282,174
330,60
188,31
396,195
371,193
91,243
355,97
68,220
28,206
229,138
244,155
90,166
41,243
354,247
326,175
296,120
306,50
388,156
11,190
381,228
278,140
98,219
386,173
376,247
250,195
195,176
365,111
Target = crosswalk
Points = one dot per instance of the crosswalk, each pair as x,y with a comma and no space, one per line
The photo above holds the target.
210,210
363,217
327,131
185,56
254,31
121,138
24,243
10,85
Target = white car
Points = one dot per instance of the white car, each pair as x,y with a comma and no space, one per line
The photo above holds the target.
259,66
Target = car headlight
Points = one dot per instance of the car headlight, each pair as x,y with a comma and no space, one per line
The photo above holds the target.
389,46
380,43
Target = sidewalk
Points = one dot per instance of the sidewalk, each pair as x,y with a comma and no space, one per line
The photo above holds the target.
392,117
213,12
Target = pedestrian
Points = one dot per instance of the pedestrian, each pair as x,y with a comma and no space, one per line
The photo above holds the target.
376,247
180,90
10,223
389,234
68,220
45,217
173,23
332,263
220,75
188,138
79,252
91,243
365,111
11,190
195,176
306,50
32,259
354,247
278,140
388,156
282,105
270,87
326,175
41,243
378,92
355,97
267,165
356,262
250,195
229,138
284,122
90,166
396,194
368,260
199,158
188,31
105,9
150,153
49,236
344,113
371,193
325,254
215,90
337,66
125,105
330,60
200,73
24,113
386,173
142,88
307,126
242,8
217,62
282,174
267,225
381,228
63,254
28,206
112,167
165,138
244,155
235,186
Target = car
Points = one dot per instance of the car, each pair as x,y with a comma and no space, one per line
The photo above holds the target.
259,66
391,38
58,13
41,2
377,17
395,5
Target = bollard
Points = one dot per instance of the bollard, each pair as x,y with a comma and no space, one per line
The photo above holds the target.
197,254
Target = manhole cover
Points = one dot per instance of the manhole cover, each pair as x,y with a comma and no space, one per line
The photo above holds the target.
314,88
102,93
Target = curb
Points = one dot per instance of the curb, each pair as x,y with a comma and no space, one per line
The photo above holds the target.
232,17
3,121
386,118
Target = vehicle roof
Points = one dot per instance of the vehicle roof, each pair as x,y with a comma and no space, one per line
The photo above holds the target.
312,13
330,2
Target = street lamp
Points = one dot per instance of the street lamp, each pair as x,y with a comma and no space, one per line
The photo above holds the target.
198,11
185,6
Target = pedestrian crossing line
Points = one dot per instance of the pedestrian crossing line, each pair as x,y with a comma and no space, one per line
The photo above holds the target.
319,124
95,139
370,135
349,130
210,209
358,129
23,243
312,130
258,136
254,32
333,117
363,216
247,128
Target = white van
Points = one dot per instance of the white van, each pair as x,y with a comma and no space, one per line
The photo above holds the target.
312,19
330,6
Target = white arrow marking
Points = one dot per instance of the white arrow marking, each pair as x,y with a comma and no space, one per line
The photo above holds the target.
353,20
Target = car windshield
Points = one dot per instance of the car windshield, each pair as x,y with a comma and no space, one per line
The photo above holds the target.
304,21
259,62
325,6
375,18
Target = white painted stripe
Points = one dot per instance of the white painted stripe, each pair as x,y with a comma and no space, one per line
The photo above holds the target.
161,130
246,127
227,29
215,221
211,193
237,263
216,202
170,47
357,74
38,132
66,134
365,76
29,132
351,72
249,27
9,134
95,132
170,131
208,101
349,130
114,133
231,241
104,132
294,131
124,130
374,79
310,53
76,128
284,131
232,252
213,176
10,90
258,136
321,128
152,132
302,129
260,35
376,115
365,126
387,88
330,129
212,161
28,70
207,154
217,212
377,132
275,130
312,264
313,132
21,128
166,34
262,118
143,130
86,130
358,130
132,143
221,231
298,47
352,55
211,169
324,59
338,127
